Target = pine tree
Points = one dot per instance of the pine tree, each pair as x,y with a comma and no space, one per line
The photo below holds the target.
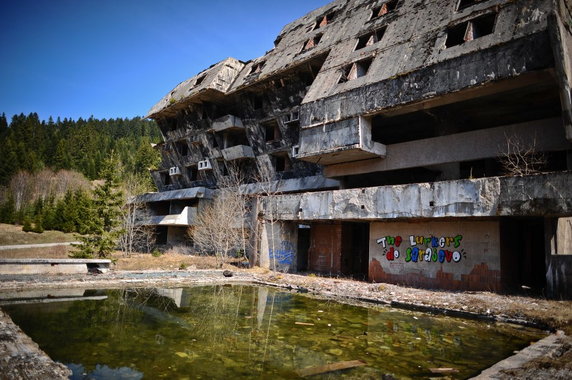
107,201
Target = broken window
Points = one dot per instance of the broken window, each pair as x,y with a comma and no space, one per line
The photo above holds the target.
193,172
468,3
471,30
257,67
223,170
356,70
182,147
281,163
324,20
384,9
200,80
370,38
165,178
271,131
312,42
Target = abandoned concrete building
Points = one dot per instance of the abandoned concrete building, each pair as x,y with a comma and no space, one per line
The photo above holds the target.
418,142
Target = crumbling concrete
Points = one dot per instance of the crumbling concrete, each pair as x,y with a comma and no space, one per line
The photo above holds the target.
369,112
21,358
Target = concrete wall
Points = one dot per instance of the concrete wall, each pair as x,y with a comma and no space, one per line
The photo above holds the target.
278,246
458,255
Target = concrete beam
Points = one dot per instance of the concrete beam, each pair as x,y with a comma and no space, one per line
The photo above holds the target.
536,195
544,135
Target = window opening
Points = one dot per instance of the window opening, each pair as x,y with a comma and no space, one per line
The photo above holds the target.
257,67
312,42
384,9
222,168
324,20
200,80
282,163
356,70
370,38
182,148
192,172
271,131
165,178
471,30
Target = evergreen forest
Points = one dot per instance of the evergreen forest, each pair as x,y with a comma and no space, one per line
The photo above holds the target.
56,174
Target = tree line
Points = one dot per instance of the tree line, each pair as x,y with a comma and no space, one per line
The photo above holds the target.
30,144
75,176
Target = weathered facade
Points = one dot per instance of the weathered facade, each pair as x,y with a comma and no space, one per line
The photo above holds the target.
389,128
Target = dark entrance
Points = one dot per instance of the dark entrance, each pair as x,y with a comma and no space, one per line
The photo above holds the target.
523,254
355,249
339,248
303,246
162,233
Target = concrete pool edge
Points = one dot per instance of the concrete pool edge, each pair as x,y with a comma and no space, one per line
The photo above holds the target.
215,277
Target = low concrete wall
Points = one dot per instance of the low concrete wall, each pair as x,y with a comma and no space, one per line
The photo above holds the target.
51,266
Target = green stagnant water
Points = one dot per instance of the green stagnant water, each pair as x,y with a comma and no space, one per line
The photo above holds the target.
244,332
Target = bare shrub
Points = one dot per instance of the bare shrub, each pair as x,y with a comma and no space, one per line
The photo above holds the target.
521,157
218,227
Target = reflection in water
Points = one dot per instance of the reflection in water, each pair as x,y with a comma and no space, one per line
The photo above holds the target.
244,332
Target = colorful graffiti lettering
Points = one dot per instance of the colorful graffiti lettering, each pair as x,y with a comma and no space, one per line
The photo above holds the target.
424,248
284,255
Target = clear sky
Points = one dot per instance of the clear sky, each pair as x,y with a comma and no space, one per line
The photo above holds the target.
117,58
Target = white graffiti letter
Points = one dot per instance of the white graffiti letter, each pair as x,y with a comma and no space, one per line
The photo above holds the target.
412,240
381,241
442,242
456,256
428,253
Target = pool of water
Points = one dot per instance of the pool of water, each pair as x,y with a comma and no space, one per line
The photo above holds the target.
234,332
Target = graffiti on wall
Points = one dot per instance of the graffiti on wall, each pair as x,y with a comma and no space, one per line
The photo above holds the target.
284,254
419,249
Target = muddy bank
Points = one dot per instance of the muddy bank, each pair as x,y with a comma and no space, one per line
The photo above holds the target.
550,363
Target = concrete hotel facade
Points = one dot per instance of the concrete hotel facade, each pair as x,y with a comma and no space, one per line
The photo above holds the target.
387,128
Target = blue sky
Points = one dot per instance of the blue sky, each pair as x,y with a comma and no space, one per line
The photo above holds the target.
116,58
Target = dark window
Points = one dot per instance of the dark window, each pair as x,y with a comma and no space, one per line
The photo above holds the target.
192,172
324,20
200,80
222,168
384,9
282,163
471,30
257,67
182,148
165,178
356,70
271,131
312,42
257,102
370,38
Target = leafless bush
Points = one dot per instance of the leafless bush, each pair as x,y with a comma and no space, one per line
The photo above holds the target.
521,157
136,236
26,187
219,227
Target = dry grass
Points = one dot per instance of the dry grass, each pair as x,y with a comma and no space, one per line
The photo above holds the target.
59,252
13,235
167,261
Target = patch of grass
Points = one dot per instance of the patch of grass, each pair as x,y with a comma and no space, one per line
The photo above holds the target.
13,235
59,252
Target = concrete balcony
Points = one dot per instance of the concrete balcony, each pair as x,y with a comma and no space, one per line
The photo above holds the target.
343,141
186,218
238,152
228,122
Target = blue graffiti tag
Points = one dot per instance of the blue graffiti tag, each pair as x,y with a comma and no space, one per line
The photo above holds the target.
283,255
